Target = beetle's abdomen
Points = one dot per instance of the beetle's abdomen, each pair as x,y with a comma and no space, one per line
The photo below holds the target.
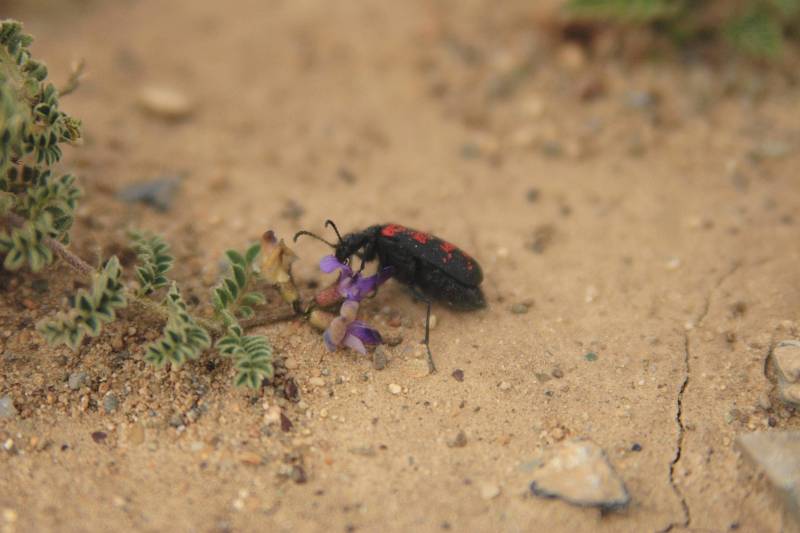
440,254
437,285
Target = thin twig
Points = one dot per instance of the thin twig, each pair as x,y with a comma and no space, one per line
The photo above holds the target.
274,315
75,75
72,260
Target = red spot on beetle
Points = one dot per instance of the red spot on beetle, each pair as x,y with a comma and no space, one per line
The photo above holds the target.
420,237
392,229
447,247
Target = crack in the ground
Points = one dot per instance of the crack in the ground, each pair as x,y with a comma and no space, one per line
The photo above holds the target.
687,516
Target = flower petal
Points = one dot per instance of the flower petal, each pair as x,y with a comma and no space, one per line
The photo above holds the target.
351,341
364,286
329,263
329,344
363,332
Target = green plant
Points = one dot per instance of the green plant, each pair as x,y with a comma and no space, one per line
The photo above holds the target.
252,356
232,298
756,27
155,261
90,309
183,339
36,211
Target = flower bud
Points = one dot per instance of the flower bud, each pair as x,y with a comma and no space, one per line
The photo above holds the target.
349,310
329,296
337,330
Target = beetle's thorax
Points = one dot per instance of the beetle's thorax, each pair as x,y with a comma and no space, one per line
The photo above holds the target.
353,242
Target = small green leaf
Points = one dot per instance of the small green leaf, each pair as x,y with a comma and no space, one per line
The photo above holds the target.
252,253
757,33
235,258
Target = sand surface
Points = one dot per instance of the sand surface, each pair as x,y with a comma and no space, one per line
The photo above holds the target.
644,211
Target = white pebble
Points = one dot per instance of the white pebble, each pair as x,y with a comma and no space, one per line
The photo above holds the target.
489,491
505,385
165,102
395,389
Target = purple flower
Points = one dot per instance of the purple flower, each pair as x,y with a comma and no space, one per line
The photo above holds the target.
352,285
345,330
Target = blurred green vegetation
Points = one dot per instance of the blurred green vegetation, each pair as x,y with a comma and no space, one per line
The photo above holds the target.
757,28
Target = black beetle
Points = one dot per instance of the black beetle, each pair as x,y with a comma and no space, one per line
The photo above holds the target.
434,269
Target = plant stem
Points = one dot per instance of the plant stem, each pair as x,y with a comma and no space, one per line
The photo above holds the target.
149,306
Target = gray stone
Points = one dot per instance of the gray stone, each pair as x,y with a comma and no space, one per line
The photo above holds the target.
578,472
787,360
77,380
7,409
778,455
110,402
176,420
519,308
458,441
379,359
158,193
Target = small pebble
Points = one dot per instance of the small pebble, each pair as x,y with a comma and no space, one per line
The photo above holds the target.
505,385
366,451
433,322
250,458
290,363
557,373
99,436
165,102
395,389
490,491
316,382
77,379
459,441
590,356
110,402
393,340
286,424
519,308
379,359
9,515
458,375
273,415
7,409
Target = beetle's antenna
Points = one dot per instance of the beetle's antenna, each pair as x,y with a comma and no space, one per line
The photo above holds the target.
296,235
331,224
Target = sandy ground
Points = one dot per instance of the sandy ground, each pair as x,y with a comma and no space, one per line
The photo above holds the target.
646,212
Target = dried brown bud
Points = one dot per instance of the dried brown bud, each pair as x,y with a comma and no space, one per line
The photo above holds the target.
278,258
320,319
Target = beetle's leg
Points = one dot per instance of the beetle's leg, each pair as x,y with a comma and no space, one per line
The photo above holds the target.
420,296
369,251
